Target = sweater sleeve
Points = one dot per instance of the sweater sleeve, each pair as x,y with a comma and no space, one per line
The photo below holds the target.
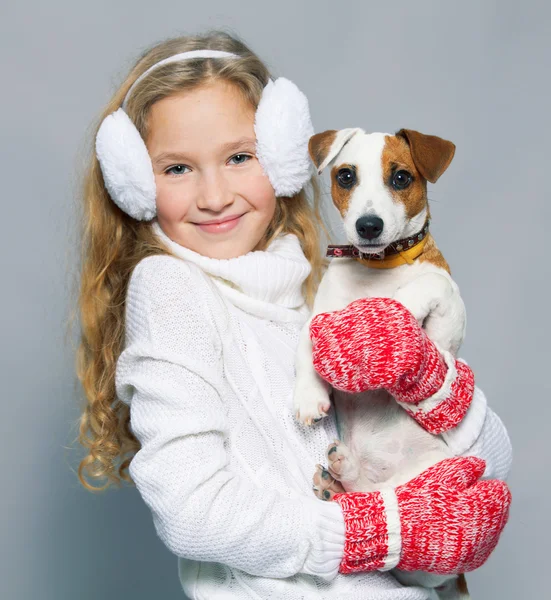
171,375
481,433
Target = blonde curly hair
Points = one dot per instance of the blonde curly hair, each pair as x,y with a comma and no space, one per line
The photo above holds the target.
113,243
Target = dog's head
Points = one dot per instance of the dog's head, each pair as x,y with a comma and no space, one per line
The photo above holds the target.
379,180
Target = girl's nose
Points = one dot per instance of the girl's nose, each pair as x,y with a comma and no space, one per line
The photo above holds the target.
214,193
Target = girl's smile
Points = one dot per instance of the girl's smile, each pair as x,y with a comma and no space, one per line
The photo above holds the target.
213,196
221,225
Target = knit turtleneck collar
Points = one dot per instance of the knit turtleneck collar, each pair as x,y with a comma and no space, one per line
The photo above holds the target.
270,277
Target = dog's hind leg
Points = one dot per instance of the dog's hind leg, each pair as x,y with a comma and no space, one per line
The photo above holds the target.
345,467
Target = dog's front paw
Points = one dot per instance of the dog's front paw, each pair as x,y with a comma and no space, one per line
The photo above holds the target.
325,486
343,465
311,403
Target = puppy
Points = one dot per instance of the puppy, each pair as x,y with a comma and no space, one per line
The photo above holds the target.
379,186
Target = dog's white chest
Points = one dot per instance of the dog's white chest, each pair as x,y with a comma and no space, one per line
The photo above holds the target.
346,280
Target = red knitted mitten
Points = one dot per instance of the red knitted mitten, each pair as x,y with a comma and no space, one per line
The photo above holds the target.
377,343
444,521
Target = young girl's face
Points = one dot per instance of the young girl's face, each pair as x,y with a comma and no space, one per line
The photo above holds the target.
202,146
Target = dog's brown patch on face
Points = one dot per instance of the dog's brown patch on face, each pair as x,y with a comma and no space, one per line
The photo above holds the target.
433,255
320,144
396,156
341,196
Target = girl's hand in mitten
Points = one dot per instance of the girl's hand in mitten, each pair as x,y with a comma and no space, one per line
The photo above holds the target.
444,521
377,343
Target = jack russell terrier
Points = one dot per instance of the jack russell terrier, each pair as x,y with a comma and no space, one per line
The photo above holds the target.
379,186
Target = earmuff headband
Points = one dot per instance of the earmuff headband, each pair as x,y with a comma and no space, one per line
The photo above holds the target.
176,58
282,128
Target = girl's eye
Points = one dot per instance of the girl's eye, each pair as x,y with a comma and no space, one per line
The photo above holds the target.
241,158
181,169
176,170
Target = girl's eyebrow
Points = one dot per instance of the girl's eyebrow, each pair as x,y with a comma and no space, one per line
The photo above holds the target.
237,144
228,147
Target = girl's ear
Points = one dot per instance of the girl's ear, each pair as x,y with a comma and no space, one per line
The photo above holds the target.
324,147
432,155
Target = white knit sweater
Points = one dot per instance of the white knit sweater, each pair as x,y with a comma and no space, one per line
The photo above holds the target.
208,372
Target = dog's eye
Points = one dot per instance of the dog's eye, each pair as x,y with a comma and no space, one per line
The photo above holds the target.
401,180
346,177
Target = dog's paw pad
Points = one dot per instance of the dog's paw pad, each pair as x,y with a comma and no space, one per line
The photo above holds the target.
325,486
342,464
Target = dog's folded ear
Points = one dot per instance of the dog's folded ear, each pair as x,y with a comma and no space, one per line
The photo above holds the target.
324,147
432,155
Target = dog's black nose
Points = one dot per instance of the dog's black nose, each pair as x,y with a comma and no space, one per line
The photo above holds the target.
369,227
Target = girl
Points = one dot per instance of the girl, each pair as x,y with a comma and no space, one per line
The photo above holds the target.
201,260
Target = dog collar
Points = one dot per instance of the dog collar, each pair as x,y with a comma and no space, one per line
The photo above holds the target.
397,253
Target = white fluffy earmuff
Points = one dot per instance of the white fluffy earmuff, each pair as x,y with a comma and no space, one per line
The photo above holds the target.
282,128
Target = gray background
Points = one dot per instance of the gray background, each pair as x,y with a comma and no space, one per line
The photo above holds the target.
476,73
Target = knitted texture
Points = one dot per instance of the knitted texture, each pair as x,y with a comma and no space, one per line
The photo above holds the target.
450,522
448,412
224,467
377,343
366,539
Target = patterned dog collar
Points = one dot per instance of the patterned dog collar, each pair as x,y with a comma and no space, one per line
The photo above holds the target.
340,250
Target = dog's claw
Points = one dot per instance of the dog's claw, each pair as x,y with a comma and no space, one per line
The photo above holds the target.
310,420
308,417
